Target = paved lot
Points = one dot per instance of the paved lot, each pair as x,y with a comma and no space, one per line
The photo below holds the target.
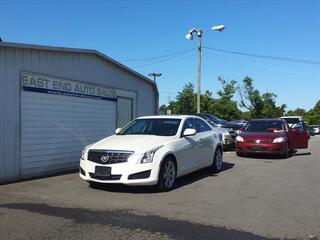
253,198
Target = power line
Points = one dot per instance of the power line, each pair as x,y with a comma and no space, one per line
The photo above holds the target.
265,56
163,60
156,57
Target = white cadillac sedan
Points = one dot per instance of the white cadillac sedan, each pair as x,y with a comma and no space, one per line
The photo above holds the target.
153,150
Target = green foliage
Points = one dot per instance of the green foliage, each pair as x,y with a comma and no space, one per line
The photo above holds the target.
297,112
259,106
186,100
224,107
313,116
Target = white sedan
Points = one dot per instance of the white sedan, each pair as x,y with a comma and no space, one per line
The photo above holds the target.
153,150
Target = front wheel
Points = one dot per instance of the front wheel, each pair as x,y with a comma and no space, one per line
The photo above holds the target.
239,154
286,154
167,175
218,160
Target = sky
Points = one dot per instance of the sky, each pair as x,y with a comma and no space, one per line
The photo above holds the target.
126,30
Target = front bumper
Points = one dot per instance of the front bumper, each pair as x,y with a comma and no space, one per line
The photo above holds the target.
228,141
122,173
269,148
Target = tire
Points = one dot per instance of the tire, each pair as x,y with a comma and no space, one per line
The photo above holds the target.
218,160
167,175
286,154
239,154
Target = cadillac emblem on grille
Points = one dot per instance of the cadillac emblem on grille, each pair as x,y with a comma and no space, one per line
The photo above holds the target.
104,158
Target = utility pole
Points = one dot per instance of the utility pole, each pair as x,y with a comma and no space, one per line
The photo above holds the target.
155,75
199,33
189,36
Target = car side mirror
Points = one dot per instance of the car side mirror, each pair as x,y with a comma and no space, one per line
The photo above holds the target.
294,130
117,130
189,132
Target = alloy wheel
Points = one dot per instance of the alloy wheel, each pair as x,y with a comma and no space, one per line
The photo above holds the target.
169,174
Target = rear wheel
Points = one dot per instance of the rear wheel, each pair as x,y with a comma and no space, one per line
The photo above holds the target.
167,175
218,160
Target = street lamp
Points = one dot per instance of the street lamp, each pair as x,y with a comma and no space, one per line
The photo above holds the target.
154,75
189,36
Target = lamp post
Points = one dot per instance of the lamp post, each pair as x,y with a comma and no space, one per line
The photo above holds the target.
154,75
189,36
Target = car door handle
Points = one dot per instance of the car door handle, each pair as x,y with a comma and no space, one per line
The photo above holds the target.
200,140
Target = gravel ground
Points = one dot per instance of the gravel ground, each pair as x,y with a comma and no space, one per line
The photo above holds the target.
252,198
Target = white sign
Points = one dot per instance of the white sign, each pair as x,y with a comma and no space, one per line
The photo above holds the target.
51,85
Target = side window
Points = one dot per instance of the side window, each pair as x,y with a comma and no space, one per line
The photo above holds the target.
201,126
188,123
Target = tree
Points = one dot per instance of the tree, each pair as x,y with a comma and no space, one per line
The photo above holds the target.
259,105
269,106
185,102
250,98
224,107
163,109
228,89
296,112
313,115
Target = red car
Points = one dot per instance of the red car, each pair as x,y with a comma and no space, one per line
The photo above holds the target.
271,136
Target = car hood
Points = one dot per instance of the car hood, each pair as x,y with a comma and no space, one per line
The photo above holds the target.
234,126
262,135
136,143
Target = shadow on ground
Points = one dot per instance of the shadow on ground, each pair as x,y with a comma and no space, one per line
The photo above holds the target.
180,182
293,154
176,229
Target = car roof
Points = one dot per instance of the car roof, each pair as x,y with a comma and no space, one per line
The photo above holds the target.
182,117
267,120
292,117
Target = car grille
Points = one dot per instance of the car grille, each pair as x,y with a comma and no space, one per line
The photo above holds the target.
108,156
260,141
112,177
258,148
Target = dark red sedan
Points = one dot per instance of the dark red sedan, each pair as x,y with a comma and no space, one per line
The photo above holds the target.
271,136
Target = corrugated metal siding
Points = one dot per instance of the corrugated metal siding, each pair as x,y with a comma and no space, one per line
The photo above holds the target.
76,66
10,117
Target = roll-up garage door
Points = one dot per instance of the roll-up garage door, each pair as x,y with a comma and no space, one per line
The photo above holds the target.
55,128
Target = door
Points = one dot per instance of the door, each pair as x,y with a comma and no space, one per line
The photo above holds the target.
187,149
298,137
55,128
205,142
124,111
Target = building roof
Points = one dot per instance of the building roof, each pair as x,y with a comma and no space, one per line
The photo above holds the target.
78,50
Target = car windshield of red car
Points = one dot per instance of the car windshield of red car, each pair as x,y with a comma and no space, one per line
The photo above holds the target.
264,126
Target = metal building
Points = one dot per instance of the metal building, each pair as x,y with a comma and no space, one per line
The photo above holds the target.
54,101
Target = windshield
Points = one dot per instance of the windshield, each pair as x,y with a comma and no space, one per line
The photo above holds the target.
215,119
292,120
156,126
264,126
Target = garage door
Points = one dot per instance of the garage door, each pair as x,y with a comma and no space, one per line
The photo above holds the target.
55,128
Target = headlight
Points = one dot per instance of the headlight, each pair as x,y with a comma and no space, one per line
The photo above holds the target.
279,140
239,139
84,151
226,133
238,131
148,156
